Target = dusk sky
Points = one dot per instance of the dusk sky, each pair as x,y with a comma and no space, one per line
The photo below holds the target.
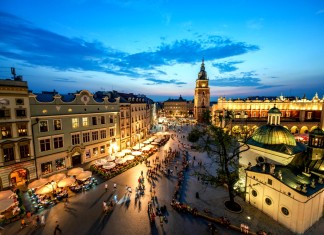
155,47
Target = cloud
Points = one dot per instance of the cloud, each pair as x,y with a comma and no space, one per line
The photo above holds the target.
227,66
244,79
64,80
159,81
38,47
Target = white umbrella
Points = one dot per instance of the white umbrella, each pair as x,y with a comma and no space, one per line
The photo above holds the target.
120,154
57,177
100,162
146,148
75,171
38,183
6,194
126,151
129,157
146,142
84,175
109,165
155,143
136,148
66,182
120,161
6,203
45,189
136,153
110,158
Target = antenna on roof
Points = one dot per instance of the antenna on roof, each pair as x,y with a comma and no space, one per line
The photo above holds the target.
13,72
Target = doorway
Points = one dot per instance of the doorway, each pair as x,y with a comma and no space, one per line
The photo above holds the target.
76,159
18,177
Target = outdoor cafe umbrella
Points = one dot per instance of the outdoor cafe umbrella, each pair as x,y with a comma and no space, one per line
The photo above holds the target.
38,183
84,175
75,171
136,148
6,203
136,153
120,154
100,162
6,194
120,161
129,157
146,148
109,165
49,188
155,143
126,151
146,142
57,177
66,182
110,158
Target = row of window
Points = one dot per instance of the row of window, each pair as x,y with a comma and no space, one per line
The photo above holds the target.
138,108
268,201
47,167
6,130
58,141
9,152
20,113
85,121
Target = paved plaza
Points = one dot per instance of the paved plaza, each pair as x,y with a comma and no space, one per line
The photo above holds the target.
84,214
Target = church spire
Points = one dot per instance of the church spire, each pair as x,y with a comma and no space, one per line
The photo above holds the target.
202,75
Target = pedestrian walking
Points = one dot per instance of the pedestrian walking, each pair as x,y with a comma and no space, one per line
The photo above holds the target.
57,228
115,186
106,187
43,220
66,202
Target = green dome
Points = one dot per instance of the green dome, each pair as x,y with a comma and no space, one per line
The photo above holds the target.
274,110
317,131
272,135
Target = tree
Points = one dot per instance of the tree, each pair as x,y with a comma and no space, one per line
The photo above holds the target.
224,149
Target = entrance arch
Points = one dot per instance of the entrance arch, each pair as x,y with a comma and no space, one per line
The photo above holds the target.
304,130
294,130
76,155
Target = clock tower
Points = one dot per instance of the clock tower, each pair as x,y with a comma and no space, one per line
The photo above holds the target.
202,94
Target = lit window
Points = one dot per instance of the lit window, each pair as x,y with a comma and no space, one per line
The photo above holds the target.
57,125
85,121
75,123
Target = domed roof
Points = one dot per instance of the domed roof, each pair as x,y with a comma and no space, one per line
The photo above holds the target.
274,110
317,131
273,135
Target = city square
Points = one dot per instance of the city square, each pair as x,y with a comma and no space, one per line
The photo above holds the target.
161,117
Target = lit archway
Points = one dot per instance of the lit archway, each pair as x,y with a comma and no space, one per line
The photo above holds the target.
304,130
294,130
313,128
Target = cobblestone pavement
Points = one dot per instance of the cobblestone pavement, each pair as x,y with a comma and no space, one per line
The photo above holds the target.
84,213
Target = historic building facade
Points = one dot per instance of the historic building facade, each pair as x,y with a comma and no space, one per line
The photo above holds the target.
178,108
17,158
140,116
297,115
202,94
283,179
72,129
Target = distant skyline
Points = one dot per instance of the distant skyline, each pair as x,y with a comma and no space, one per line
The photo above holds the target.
155,47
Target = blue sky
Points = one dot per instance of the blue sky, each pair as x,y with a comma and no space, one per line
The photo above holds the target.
155,47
